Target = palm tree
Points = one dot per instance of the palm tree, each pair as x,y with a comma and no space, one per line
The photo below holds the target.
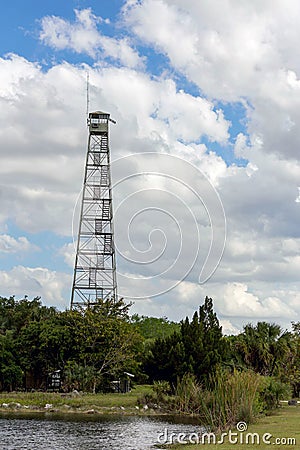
263,347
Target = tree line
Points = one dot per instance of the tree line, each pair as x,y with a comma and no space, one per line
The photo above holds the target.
96,345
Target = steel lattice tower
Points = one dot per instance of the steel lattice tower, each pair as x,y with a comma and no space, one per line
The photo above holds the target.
95,265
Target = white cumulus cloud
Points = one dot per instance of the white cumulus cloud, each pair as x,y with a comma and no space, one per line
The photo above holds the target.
52,286
83,36
245,52
8,244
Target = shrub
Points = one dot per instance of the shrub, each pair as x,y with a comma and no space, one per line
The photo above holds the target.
161,389
272,391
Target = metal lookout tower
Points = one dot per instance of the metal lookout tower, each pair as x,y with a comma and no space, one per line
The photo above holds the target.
95,265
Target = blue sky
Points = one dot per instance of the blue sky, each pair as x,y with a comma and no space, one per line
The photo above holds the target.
215,86
20,25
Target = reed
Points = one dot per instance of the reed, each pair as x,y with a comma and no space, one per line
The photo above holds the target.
229,399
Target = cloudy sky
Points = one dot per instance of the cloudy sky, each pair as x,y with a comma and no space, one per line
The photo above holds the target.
206,95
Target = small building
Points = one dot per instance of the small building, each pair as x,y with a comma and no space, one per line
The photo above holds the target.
123,385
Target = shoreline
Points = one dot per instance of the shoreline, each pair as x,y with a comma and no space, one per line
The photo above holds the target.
80,403
103,410
62,405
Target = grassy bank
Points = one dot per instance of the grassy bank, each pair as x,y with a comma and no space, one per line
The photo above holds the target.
282,425
73,402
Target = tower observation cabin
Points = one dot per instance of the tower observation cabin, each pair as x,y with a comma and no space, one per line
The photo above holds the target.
98,122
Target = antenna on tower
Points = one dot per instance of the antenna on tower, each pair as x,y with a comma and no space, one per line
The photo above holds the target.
87,93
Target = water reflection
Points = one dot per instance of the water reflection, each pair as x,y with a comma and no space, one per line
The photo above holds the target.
73,432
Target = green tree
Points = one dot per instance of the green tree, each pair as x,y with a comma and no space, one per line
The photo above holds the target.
16,314
263,347
105,340
11,374
291,372
198,348
204,344
19,328
154,327
165,359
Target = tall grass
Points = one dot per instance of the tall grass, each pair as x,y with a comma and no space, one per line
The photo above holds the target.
230,398
189,395
234,397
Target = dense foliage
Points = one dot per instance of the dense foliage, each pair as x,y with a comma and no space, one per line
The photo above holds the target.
197,348
96,345
90,346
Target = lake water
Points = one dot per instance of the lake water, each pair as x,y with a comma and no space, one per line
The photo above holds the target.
73,432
